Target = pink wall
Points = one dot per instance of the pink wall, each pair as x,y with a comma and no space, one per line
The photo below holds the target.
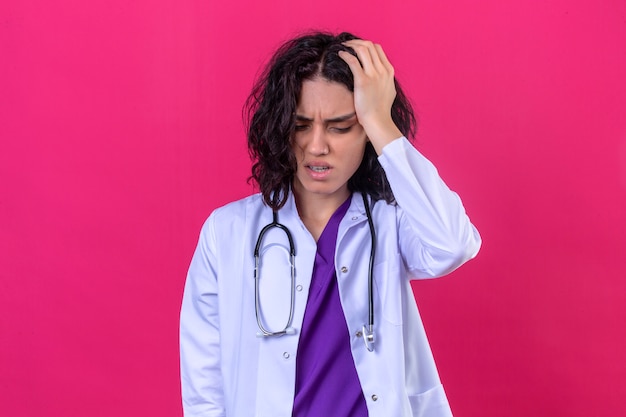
120,130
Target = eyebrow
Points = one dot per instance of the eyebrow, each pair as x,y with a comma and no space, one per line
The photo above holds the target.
331,120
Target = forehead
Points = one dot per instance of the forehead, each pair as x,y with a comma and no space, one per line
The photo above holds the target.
320,97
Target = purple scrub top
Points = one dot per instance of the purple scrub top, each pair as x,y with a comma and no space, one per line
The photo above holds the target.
326,380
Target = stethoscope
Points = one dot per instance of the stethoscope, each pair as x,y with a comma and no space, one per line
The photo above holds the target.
368,330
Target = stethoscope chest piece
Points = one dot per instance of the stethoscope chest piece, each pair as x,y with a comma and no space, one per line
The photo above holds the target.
368,337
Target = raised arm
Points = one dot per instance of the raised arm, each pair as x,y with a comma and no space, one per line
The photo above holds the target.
435,235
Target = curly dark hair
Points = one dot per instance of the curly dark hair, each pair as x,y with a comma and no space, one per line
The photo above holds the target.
270,111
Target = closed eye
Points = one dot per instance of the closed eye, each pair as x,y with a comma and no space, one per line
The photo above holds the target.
342,129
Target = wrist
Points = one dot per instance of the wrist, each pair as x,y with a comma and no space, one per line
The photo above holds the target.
382,133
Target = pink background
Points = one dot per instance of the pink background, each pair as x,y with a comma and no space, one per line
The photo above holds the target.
120,129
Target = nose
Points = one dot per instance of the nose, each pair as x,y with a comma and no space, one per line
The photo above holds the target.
318,145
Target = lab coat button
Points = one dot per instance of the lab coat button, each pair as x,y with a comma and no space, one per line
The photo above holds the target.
355,218
359,333
286,355
344,269
374,397
298,287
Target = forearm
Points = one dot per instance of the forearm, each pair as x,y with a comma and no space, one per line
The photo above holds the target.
435,233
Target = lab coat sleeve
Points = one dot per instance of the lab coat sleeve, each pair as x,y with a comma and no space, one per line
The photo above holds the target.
435,235
201,378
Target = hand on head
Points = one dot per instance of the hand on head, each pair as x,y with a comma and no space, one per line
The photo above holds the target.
374,91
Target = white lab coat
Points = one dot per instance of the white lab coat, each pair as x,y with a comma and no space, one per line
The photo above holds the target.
227,370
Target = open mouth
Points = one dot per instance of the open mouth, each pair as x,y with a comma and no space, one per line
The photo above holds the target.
318,169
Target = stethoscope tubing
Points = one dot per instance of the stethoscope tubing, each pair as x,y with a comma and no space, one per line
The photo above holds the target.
368,331
369,334
292,258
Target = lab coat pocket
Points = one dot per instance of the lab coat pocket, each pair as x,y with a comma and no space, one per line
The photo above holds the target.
387,291
431,403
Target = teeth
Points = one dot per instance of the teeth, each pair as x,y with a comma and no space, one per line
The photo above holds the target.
319,169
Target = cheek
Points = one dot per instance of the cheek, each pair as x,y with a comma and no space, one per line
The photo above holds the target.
358,152
362,147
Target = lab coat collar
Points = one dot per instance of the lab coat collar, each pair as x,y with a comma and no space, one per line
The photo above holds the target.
357,208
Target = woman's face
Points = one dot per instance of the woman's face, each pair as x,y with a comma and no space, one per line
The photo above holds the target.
329,142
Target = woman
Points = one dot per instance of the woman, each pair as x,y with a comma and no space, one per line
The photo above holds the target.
327,132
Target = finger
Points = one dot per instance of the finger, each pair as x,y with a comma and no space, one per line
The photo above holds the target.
383,59
362,51
353,63
368,54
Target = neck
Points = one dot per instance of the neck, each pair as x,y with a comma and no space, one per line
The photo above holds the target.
319,207
315,210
